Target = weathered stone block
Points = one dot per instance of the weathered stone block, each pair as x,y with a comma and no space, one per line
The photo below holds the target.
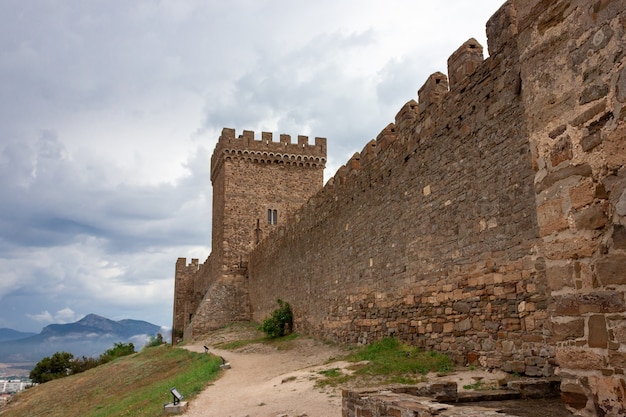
619,236
611,269
518,367
597,125
555,133
591,218
617,359
461,307
551,218
588,114
598,334
562,151
615,146
507,347
568,329
579,358
463,325
574,396
593,93
582,195
595,302
563,249
582,170
559,276
591,141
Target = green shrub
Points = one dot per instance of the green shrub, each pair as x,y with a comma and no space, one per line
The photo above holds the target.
155,341
83,364
117,351
281,321
52,367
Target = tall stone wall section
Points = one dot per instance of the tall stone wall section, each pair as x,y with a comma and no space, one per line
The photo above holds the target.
574,72
428,234
488,220
184,277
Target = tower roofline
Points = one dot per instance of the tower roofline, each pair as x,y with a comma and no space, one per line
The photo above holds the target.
265,150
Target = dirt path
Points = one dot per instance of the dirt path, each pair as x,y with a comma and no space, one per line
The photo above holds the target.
266,382
279,380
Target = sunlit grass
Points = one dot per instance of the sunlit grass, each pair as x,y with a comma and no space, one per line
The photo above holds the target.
137,385
388,361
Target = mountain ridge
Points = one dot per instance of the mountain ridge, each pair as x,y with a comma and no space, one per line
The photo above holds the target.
7,334
89,336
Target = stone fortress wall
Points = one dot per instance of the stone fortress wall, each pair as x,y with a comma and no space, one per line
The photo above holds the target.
428,234
257,184
488,221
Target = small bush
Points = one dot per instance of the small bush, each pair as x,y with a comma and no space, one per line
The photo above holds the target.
155,341
83,364
117,351
281,321
52,367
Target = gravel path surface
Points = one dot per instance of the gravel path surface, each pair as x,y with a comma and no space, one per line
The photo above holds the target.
266,382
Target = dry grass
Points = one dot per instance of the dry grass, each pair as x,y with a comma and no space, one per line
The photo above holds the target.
136,385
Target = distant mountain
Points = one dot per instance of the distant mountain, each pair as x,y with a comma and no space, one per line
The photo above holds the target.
94,324
90,336
10,334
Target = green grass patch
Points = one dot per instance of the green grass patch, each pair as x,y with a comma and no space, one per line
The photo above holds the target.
390,361
475,386
390,356
331,373
137,385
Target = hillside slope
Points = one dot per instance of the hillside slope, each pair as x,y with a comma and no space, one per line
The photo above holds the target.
137,385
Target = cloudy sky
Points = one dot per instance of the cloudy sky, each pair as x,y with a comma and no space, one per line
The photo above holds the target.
110,109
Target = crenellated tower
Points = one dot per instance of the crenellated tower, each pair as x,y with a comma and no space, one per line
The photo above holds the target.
257,185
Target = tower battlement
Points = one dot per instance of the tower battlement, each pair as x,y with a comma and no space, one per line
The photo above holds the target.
266,151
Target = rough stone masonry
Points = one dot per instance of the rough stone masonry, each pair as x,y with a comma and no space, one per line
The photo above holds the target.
488,221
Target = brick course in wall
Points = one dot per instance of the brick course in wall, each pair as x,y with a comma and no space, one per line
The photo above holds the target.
488,221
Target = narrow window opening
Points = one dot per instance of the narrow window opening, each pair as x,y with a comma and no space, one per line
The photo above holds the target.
274,217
